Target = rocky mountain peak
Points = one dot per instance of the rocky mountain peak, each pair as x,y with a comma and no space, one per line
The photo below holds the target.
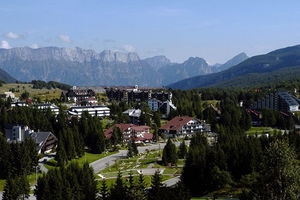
118,56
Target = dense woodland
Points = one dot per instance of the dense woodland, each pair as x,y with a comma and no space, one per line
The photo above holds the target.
250,164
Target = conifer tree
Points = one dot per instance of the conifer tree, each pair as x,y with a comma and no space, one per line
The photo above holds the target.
169,153
182,150
157,188
280,175
61,156
4,157
119,190
141,188
16,187
104,192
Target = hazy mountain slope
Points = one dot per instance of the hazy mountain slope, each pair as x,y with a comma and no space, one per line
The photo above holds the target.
6,77
232,62
288,58
175,72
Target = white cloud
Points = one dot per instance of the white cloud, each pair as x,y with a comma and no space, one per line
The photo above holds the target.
65,38
34,46
4,45
128,48
12,35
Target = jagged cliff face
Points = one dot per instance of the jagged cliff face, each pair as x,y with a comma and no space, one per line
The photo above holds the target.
77,66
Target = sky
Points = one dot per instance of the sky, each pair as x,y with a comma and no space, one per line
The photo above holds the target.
215,30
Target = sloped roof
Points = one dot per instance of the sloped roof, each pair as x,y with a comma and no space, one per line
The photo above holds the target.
147,136
176,123
40,138
140,128
122,128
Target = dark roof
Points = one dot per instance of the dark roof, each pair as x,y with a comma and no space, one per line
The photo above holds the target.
176,123
288,98
40,136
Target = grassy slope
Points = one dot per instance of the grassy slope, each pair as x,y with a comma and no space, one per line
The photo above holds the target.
42,93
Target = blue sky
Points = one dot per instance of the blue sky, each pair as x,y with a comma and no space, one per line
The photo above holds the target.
211,29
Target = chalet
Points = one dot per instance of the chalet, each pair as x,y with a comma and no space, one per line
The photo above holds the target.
181,126
99,111
45,141
124,128
140,134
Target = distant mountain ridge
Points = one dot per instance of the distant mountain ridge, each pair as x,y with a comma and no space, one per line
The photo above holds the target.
77,66
277,65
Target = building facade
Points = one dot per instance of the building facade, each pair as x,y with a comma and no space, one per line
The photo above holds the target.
182,126
281,101
99,111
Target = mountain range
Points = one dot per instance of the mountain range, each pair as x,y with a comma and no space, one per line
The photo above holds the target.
77,66
278,65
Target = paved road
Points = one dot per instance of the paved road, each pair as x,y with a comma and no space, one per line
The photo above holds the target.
107,161
171,182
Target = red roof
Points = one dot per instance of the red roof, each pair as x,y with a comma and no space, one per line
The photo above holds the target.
122,127
176,123
140,128
147,136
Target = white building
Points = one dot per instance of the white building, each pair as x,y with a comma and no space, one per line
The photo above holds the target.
16,133
163,106
52,107
99,111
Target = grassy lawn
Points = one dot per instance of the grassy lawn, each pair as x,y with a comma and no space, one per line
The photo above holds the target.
88,157
137,162
259,130
42,93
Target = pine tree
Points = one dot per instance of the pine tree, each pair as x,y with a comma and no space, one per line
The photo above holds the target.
61,156
104,192
169,153
280,176
141,188
4,157
16,188
88,183
156,191
119,190
42,188
182,150
131,187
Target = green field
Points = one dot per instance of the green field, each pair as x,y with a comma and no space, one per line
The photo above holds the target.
19,88
259,130
88,157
